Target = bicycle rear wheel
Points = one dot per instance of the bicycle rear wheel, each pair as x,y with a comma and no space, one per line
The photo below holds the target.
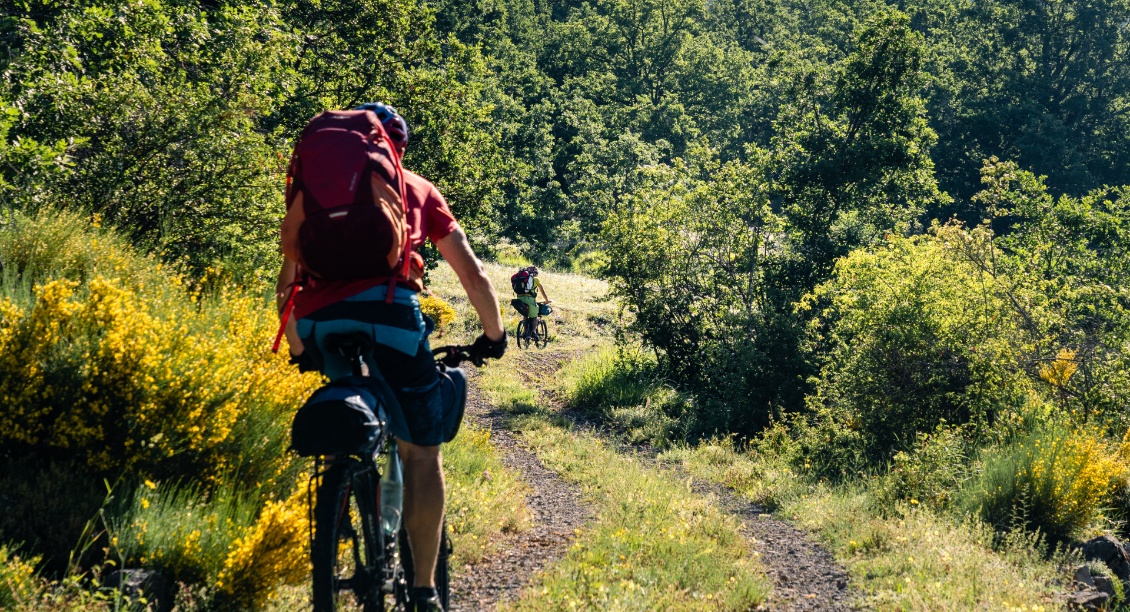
346,548
443,568
542,337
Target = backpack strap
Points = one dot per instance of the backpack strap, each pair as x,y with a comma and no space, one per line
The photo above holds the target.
294,287
406,255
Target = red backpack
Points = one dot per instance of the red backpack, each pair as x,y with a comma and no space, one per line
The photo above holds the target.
346,216
522,282
346,209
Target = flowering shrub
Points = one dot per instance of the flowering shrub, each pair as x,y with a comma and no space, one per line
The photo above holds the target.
221,539
18,582
439,311
273,552
97,370
1055,481
1060,369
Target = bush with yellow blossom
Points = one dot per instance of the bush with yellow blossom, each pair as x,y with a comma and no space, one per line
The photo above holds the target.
18,581
128,369
439,311
1056,480
241,549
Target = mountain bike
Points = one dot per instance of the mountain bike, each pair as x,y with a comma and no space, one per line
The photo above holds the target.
360,554
533,329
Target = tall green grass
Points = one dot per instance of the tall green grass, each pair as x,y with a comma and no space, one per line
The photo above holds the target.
901,555
182,529
624,389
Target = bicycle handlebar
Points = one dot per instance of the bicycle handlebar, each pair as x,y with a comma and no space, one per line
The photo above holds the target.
453,356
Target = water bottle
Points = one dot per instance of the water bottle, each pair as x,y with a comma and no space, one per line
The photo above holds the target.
392,495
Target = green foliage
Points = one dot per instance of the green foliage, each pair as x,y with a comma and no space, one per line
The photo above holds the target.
1055,480
624,389
1039,83
930,473
854,148
173,121
915,336
712,271
1070,261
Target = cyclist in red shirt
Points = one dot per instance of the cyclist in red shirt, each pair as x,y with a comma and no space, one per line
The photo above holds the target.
402,354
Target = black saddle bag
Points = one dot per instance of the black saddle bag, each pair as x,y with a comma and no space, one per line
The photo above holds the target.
453,395
342,417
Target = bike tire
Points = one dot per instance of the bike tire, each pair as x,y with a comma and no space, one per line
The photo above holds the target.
542,337
345,552
443,565
522,334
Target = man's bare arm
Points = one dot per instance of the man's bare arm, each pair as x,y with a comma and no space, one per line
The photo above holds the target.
282,286
457,251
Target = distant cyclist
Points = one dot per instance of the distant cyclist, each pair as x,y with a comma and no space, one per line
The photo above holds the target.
526,284
325,306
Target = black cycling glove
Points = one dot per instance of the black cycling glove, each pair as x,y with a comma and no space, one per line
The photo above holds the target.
485,348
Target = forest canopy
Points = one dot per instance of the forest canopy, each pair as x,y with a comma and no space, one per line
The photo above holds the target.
714,160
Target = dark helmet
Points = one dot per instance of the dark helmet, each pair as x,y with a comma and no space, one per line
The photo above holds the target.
394,124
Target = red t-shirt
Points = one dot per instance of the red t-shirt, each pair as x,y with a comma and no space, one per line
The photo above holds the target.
428,218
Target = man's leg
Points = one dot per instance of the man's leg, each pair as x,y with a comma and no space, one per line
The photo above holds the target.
423,507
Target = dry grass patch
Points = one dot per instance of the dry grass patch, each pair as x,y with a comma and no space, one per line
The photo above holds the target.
909,558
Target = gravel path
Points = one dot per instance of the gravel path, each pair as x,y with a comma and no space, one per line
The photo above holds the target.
556,512
805,575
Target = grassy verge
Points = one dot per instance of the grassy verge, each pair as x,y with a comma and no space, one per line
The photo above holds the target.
655,545
484,499
909,558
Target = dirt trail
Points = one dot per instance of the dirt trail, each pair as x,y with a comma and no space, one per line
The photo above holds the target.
556,512
804,574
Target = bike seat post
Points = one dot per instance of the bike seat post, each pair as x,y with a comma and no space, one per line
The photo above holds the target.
352,352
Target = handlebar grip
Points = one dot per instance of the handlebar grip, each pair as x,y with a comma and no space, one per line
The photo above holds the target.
453,356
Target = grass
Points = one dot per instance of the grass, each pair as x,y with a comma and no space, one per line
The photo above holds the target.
622,388
906,558
484,498
653,543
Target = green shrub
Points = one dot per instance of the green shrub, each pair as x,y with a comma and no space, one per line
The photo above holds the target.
931,473
591,263
1056,481
915,336
825,447
624,389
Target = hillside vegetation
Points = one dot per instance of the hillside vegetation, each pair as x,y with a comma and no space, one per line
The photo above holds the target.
867,263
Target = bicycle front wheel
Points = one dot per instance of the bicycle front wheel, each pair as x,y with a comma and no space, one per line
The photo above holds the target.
542,337
345,552
523,333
